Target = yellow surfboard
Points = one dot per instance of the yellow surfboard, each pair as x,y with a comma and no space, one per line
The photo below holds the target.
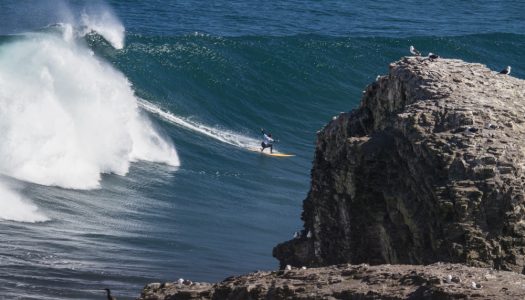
274,154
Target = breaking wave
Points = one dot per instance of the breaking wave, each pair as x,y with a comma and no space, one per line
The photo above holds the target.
66,116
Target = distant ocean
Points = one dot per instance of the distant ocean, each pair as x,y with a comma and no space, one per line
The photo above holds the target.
124,126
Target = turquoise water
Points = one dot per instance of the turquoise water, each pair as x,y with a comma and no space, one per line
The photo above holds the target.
128,163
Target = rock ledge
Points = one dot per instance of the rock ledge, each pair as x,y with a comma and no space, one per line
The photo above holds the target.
437,281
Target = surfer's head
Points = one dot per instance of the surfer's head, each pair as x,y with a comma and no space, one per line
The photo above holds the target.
269,134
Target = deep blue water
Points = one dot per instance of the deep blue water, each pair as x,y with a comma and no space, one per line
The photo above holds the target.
208,75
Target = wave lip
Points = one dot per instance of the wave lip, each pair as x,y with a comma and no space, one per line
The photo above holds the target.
66,116
107,26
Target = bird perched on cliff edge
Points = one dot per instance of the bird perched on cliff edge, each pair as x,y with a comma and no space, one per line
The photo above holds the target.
414,51
505,71
108,291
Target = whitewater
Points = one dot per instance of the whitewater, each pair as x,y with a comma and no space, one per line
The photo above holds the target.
67,116
223,135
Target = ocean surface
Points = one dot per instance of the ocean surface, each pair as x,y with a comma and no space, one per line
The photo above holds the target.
125,126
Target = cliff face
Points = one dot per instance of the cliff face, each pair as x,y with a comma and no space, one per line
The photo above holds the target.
429,168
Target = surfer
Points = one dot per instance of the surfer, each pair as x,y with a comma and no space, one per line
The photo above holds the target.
267,141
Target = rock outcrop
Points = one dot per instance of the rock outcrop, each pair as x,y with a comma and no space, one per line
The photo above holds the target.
429,168
438,281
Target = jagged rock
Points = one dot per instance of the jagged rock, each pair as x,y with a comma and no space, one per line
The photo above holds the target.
429,168
354,282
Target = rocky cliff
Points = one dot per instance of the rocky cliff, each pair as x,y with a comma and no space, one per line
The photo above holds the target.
429,168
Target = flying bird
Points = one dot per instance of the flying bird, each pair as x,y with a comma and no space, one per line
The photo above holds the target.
414,51
505,71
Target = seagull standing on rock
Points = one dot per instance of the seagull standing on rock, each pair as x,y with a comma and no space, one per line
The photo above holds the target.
505,71
414,51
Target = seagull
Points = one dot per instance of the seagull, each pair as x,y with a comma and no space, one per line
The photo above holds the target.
414,51
288,268
108,291
180,281
309,235
296,235
432,56
505,71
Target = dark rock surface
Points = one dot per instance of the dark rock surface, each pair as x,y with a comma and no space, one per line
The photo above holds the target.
438,281
429,168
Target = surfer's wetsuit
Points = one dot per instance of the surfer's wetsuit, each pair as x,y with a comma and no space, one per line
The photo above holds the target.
267,142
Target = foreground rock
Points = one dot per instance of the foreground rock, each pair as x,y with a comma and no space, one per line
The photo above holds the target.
438,281
429,168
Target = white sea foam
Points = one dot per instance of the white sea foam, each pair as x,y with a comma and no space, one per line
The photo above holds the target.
107,25
225,136
66,117
14,207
